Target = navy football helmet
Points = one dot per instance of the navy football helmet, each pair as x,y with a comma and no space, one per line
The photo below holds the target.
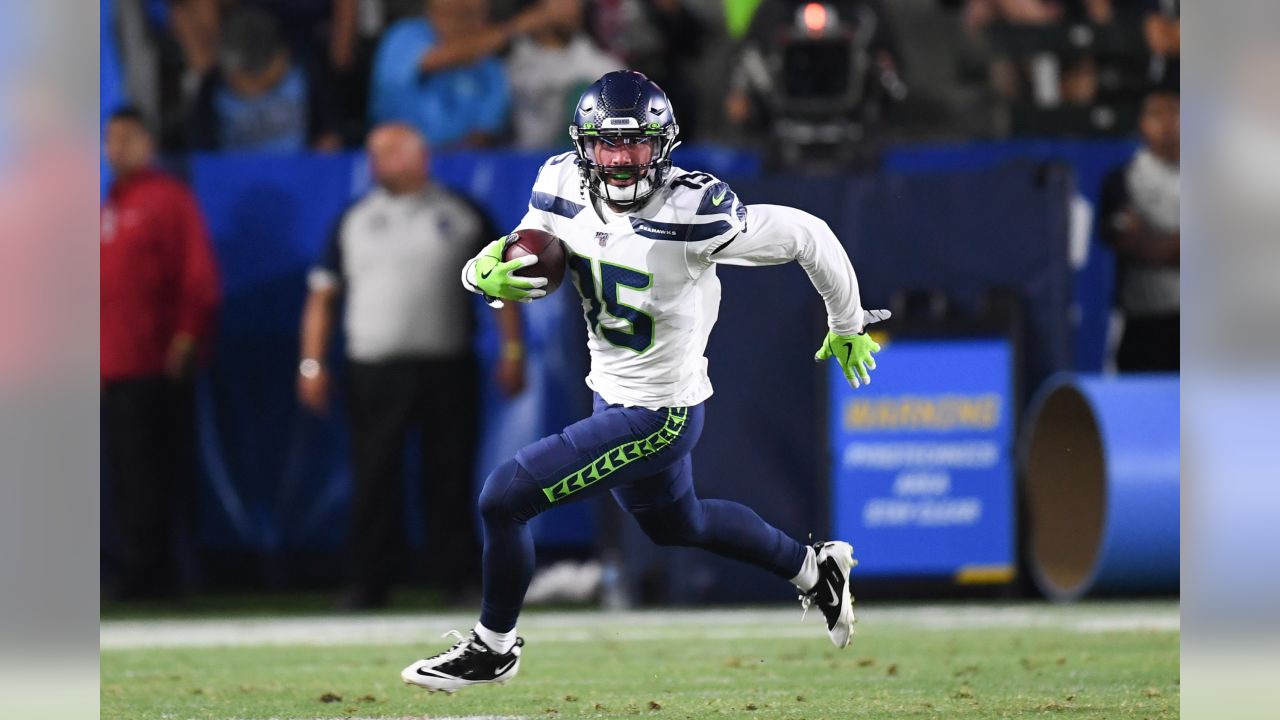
624,110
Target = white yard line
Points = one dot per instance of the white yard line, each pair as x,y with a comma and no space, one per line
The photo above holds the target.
590,626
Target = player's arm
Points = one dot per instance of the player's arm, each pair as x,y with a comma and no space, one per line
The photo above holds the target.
488,275
774,234
490,39
199,294
1122,227
318,315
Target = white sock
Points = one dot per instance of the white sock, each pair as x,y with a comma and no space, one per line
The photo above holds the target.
808,575
502,643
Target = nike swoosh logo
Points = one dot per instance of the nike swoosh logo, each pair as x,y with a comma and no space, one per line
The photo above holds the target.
835,596
427,673
719,197
485,275
505,668
848,350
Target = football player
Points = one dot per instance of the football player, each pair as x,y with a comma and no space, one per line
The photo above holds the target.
642,241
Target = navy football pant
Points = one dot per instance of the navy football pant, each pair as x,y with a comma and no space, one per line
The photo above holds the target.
642,457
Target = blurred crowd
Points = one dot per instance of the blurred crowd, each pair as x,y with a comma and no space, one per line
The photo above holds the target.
286,75
1073,66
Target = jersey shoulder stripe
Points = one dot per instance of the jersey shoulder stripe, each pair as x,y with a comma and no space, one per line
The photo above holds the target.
680,232
556,182
704,205
555,204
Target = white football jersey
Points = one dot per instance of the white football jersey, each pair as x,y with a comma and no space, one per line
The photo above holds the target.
647,278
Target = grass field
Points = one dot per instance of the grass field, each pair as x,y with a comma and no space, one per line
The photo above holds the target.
1112,660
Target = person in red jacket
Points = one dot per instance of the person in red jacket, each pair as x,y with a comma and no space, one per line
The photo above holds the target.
159,293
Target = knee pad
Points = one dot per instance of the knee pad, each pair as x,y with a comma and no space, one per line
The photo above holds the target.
504,497
493,495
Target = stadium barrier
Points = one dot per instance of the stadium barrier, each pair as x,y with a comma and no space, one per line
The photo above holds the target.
1100,461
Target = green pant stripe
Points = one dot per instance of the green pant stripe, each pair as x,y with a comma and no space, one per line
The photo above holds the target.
620,457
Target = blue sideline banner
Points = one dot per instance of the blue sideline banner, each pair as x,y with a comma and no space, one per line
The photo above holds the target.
922,468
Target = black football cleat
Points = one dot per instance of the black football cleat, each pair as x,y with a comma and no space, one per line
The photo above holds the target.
468,662
831,594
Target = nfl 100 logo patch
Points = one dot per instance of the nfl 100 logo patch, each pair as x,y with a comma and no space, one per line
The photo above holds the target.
602,238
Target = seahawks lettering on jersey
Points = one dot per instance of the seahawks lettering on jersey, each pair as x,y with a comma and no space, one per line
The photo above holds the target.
649,297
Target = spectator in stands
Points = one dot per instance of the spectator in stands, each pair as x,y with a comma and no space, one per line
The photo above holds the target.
353,37
310,29
357,25
440,73
978,14
660,38
159,293
1047,78
334,40
196,26
548,72
259,98
395,256
1139,217
1162,29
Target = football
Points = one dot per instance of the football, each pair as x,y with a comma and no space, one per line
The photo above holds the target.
548,249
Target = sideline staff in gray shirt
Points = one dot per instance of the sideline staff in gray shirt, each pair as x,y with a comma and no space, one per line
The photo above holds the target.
1139,219
394,256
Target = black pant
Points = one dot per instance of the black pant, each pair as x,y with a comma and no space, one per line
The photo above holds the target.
148,427
1150,344
388,399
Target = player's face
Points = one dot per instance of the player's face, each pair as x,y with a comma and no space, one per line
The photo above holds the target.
622,152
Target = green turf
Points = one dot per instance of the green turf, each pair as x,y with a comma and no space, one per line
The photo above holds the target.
255,604
891,671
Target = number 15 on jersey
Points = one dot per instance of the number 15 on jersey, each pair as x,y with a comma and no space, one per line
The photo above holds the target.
598,283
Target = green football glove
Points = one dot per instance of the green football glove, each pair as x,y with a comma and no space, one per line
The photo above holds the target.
495,278
853,352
